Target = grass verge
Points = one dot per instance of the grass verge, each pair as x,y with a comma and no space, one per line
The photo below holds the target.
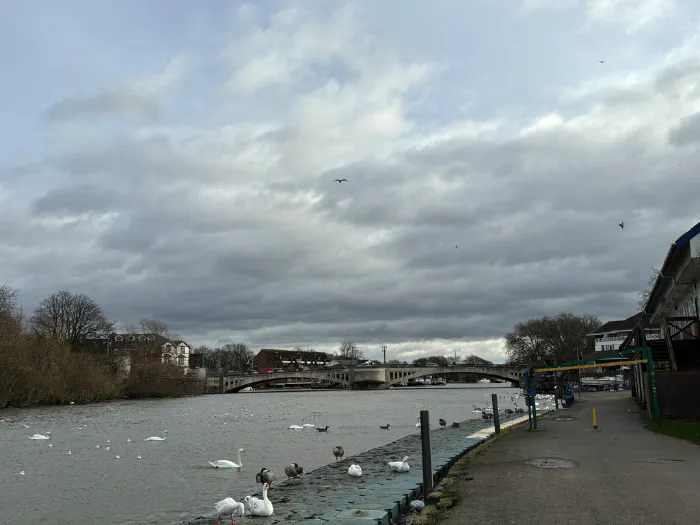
688,430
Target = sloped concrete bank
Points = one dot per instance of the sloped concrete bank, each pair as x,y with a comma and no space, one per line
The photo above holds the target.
329,496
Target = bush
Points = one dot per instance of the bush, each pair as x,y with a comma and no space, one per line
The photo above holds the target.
159,380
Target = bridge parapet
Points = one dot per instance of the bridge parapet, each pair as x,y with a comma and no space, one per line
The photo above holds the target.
384,377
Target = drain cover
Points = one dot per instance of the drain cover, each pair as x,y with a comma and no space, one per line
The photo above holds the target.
552,463
564,418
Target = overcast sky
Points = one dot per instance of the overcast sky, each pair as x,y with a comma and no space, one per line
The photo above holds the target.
175,160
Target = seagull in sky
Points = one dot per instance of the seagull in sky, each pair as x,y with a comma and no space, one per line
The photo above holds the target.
340,180
601,61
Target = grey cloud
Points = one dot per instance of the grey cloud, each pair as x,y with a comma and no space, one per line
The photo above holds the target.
119,103
214,232
687,132
77,200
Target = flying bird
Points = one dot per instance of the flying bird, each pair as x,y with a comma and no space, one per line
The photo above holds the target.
340,181
601,61
622,225
455,246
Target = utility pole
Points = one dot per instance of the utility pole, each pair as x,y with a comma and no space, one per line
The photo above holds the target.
384,350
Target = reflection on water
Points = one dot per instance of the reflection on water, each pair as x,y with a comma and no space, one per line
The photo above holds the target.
173,480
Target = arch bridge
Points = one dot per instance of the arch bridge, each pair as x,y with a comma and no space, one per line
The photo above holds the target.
362,377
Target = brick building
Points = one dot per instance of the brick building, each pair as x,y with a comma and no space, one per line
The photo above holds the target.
270,358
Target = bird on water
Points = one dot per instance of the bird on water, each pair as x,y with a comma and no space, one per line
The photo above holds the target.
338,452
385,427
321,429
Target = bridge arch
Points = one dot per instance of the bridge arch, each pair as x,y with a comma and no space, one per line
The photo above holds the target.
238,383
398,377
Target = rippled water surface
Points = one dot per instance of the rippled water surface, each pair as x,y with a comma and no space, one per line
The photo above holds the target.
173,481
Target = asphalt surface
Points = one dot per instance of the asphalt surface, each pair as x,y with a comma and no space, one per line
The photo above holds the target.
625,474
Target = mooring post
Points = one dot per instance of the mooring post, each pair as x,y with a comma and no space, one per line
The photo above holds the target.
427,458
496,419
534,413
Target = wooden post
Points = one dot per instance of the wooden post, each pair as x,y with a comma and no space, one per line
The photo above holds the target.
427,458
496,420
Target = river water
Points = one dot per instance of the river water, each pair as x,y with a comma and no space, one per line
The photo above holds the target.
172,481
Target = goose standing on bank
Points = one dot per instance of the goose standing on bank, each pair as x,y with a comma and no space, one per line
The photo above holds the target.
225,463
455,425
259,507
338,452
399,466
355,471
443,423
293,470
265,476
418,421
228,506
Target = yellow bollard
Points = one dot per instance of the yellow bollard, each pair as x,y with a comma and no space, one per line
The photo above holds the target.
595,421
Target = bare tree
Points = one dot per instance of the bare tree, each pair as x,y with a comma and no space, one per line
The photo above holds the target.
68,318
8,300
562,337
349,350
644,294
236,357
10,317
475,360
152,326
566,334
527,341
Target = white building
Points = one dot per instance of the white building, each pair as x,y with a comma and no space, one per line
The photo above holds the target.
609,336
673,301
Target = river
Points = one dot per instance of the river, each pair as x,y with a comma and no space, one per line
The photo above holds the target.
172,481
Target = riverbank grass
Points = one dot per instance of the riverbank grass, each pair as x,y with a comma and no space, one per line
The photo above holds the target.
681,429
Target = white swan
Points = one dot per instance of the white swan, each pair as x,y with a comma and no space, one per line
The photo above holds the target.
300,427
355,471
154,438
40,436
228,506
225,463
259,507
399,466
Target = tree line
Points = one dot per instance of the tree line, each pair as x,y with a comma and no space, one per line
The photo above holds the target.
560,338
43,359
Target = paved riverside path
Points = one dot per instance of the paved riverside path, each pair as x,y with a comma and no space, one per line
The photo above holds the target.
625,473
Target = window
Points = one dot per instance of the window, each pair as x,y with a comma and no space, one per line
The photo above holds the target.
181,360
142,338
151,337
131,338
119,338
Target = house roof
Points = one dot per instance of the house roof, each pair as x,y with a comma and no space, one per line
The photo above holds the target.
673,254
622,325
